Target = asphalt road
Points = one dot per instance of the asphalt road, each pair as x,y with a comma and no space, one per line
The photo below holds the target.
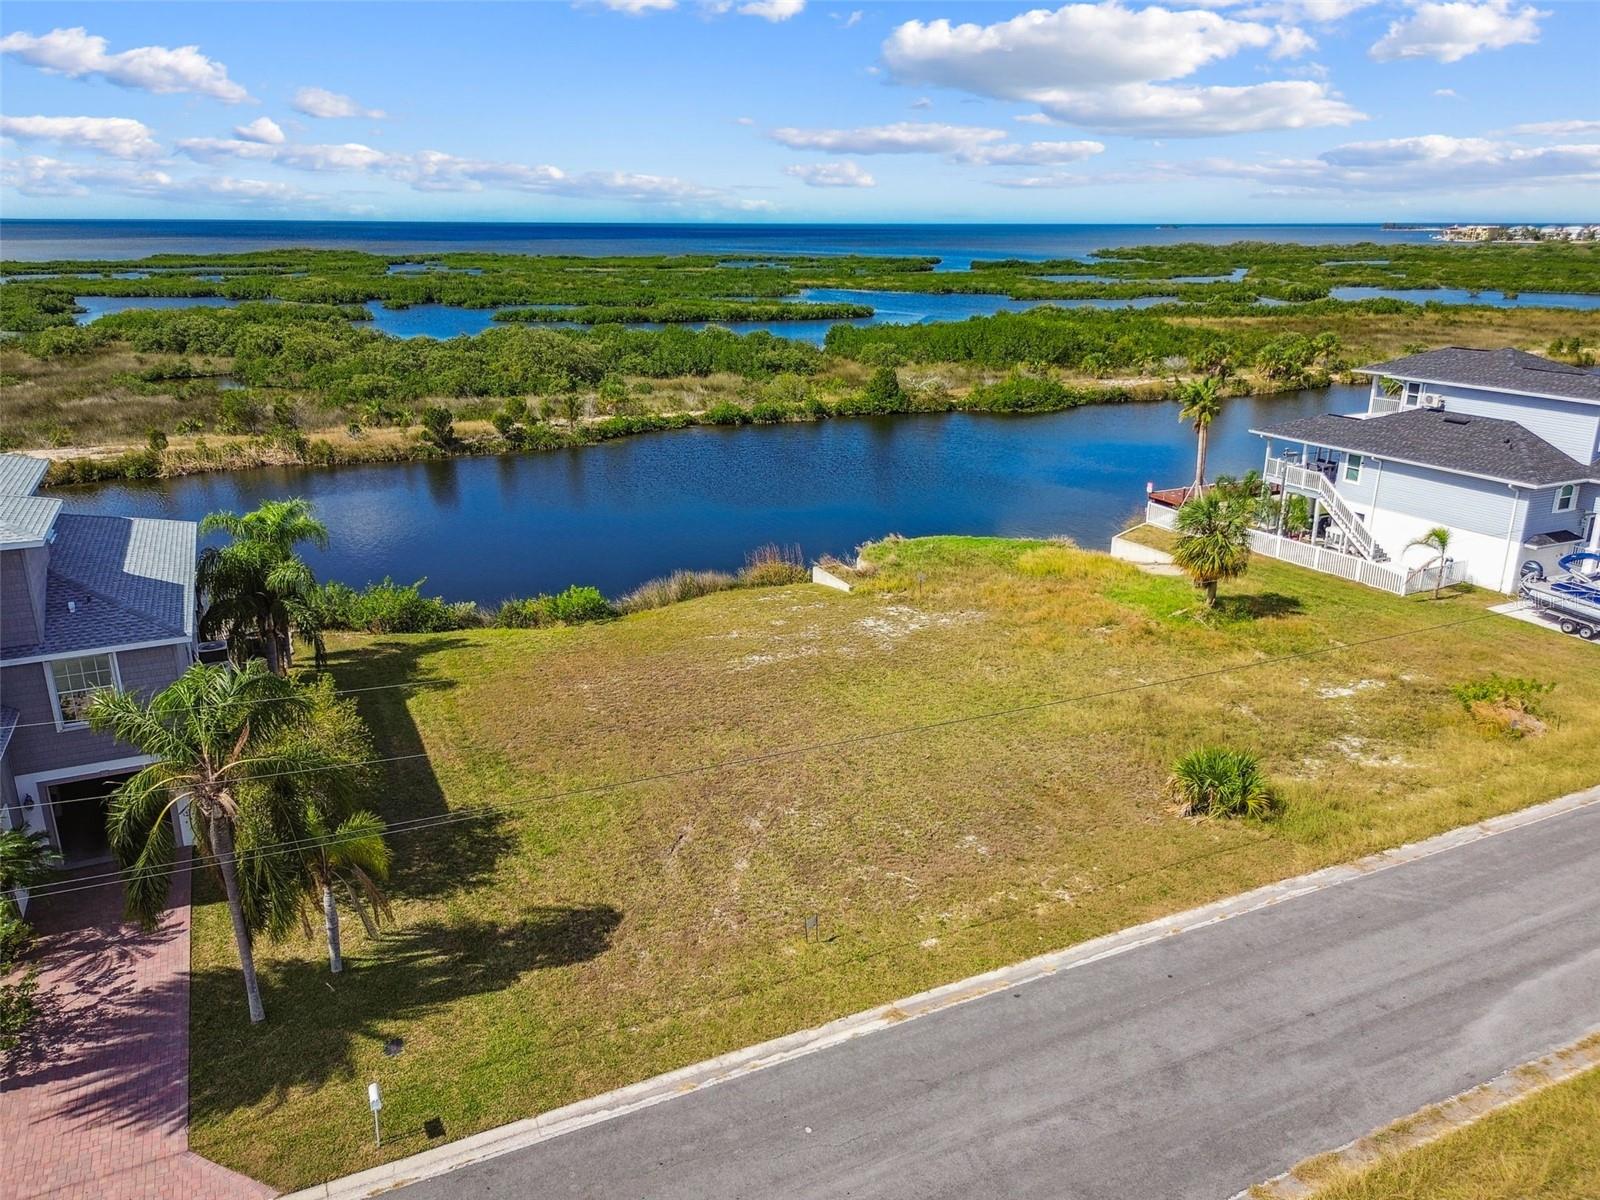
1192,1067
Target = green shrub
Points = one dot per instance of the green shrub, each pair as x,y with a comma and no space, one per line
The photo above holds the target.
574,606
439,426
1506,690
1219,782
1024,393
884,388
726,412
578,604
1504,704
386,607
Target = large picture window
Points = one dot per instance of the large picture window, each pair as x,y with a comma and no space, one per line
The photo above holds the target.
77,681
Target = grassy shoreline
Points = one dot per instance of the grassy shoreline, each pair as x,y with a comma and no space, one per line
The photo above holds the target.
334,446
584,931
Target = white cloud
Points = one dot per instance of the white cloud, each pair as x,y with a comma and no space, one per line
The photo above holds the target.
1558,128
831,175
120,137
637,8
39,176
1033,154
922,102
78,54
1447,93
1452,30
851,21
1290,41
320,102
1431,162
1103,66
773,10
350,156
903,137
438,171
262,129
1321,12
958,143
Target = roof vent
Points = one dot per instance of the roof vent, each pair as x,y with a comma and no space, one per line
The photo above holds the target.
1455,418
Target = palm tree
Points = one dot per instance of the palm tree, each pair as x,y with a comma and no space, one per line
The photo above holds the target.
351,855
254,583
1213,540
1437,540
213,732
1200,400
339,845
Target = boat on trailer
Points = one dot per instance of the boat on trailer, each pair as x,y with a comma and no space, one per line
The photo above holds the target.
1571,600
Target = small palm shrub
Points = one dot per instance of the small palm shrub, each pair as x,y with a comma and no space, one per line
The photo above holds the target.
1218,782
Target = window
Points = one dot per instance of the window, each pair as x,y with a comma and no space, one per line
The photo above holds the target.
1413,395
76,681
1352,468
1565,495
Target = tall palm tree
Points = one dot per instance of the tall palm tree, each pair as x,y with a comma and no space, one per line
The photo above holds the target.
339,846
1437,540
1213,540
213,732
254,583
1200,400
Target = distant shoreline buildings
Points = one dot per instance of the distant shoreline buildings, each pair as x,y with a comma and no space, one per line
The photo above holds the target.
1520,233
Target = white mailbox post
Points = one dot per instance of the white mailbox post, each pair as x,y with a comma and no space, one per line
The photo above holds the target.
375,1102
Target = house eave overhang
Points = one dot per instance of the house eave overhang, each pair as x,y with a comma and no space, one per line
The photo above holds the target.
1380,456
1481,387
6,660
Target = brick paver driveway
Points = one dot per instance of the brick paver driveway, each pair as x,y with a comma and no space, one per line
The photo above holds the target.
95,1104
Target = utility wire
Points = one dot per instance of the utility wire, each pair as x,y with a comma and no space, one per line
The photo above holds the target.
778,754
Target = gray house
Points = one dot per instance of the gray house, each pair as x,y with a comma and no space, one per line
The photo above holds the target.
87,603
1500,447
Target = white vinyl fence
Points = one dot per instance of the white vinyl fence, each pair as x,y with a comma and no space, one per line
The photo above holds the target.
1386,577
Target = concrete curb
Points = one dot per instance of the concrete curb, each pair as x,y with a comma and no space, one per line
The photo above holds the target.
1437,1120
572,1117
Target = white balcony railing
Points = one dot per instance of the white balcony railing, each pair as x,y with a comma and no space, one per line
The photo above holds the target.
1305,479
1387,577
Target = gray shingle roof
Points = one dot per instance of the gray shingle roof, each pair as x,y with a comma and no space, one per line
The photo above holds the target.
114,581
1508,370
21,474
25,520
1482,446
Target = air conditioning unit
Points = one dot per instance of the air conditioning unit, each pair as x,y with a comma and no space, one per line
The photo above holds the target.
1431,401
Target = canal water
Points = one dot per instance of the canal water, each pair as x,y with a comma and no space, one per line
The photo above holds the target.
617,514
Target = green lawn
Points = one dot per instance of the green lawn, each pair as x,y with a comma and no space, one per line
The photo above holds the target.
568,944
1544,1148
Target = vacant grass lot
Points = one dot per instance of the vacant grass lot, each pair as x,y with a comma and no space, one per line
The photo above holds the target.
586,931
1545,1148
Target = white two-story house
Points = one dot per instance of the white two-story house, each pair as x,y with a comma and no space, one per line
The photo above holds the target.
1500,447
87,603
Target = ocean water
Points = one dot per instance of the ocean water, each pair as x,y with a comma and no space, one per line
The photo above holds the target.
955,245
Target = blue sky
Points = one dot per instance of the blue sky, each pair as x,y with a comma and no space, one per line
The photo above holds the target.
795,110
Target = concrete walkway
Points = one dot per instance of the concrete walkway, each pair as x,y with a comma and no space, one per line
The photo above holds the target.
95,1104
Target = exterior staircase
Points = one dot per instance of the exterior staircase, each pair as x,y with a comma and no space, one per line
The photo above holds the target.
1304,479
